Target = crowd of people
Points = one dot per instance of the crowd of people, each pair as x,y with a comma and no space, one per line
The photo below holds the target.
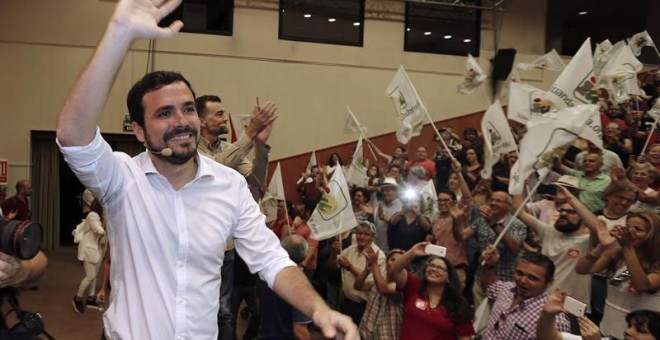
187,238
590,231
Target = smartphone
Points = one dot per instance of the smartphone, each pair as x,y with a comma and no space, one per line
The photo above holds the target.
432,249
574,307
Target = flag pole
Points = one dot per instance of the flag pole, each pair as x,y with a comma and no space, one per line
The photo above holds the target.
648,139
520,208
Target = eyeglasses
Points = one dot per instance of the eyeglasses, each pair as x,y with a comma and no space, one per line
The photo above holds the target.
623,277
436,268
566,211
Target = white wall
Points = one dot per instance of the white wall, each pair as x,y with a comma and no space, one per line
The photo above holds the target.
44,44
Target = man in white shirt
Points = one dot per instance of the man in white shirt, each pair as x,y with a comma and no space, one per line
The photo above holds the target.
170,210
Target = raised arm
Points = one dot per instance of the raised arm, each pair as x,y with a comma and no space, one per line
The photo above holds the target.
387,158
642,281
398,270
523,215
132,20
598,233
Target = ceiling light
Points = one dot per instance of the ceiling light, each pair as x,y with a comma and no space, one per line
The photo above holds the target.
408,29
427,33
307,15
467,40
332,20
357,23
582,13
447,36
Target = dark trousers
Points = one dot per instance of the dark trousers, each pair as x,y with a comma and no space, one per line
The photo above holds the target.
226,329
353,309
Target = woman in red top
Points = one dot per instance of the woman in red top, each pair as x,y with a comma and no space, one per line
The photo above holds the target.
433,307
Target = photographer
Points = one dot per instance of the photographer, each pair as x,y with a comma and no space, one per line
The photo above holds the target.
16,273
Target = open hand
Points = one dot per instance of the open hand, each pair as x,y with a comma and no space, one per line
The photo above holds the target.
139,18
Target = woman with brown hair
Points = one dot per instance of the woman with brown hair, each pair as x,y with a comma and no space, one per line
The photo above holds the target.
634,267
433,307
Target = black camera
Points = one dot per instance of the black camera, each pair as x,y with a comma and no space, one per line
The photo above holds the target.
20,238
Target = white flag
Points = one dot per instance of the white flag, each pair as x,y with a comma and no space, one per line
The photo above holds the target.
352,125
576,85
274,194
409,106
601,48
549,61
620,75
639,41
311,163
497,137
472,77
429,206
605,56
357,172
239,122
547,137
334,212
525,101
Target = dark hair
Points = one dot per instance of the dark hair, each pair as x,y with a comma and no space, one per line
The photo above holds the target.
447,192
470,129
96,207
541,261
457,307
396,166
150,82
20,184
330,163
364,192
200,103
403,149
649,318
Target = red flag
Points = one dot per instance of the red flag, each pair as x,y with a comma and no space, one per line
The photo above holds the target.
232,138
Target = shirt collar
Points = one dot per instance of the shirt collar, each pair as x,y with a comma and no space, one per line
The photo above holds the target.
203,168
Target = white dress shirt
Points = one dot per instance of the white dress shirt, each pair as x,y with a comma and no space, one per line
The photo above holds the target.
167,245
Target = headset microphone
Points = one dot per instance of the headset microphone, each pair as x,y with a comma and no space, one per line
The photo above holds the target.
164,152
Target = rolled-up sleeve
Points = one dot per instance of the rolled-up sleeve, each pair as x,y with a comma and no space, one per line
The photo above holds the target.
256,244
94,166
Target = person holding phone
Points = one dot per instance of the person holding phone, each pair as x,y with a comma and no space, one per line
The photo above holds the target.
642,324
433,307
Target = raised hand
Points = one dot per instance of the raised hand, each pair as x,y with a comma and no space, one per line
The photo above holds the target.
343,262
588,329
418,249
605,238
490,256
555,303
623,235
139,18
486,213
371,255
262,118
